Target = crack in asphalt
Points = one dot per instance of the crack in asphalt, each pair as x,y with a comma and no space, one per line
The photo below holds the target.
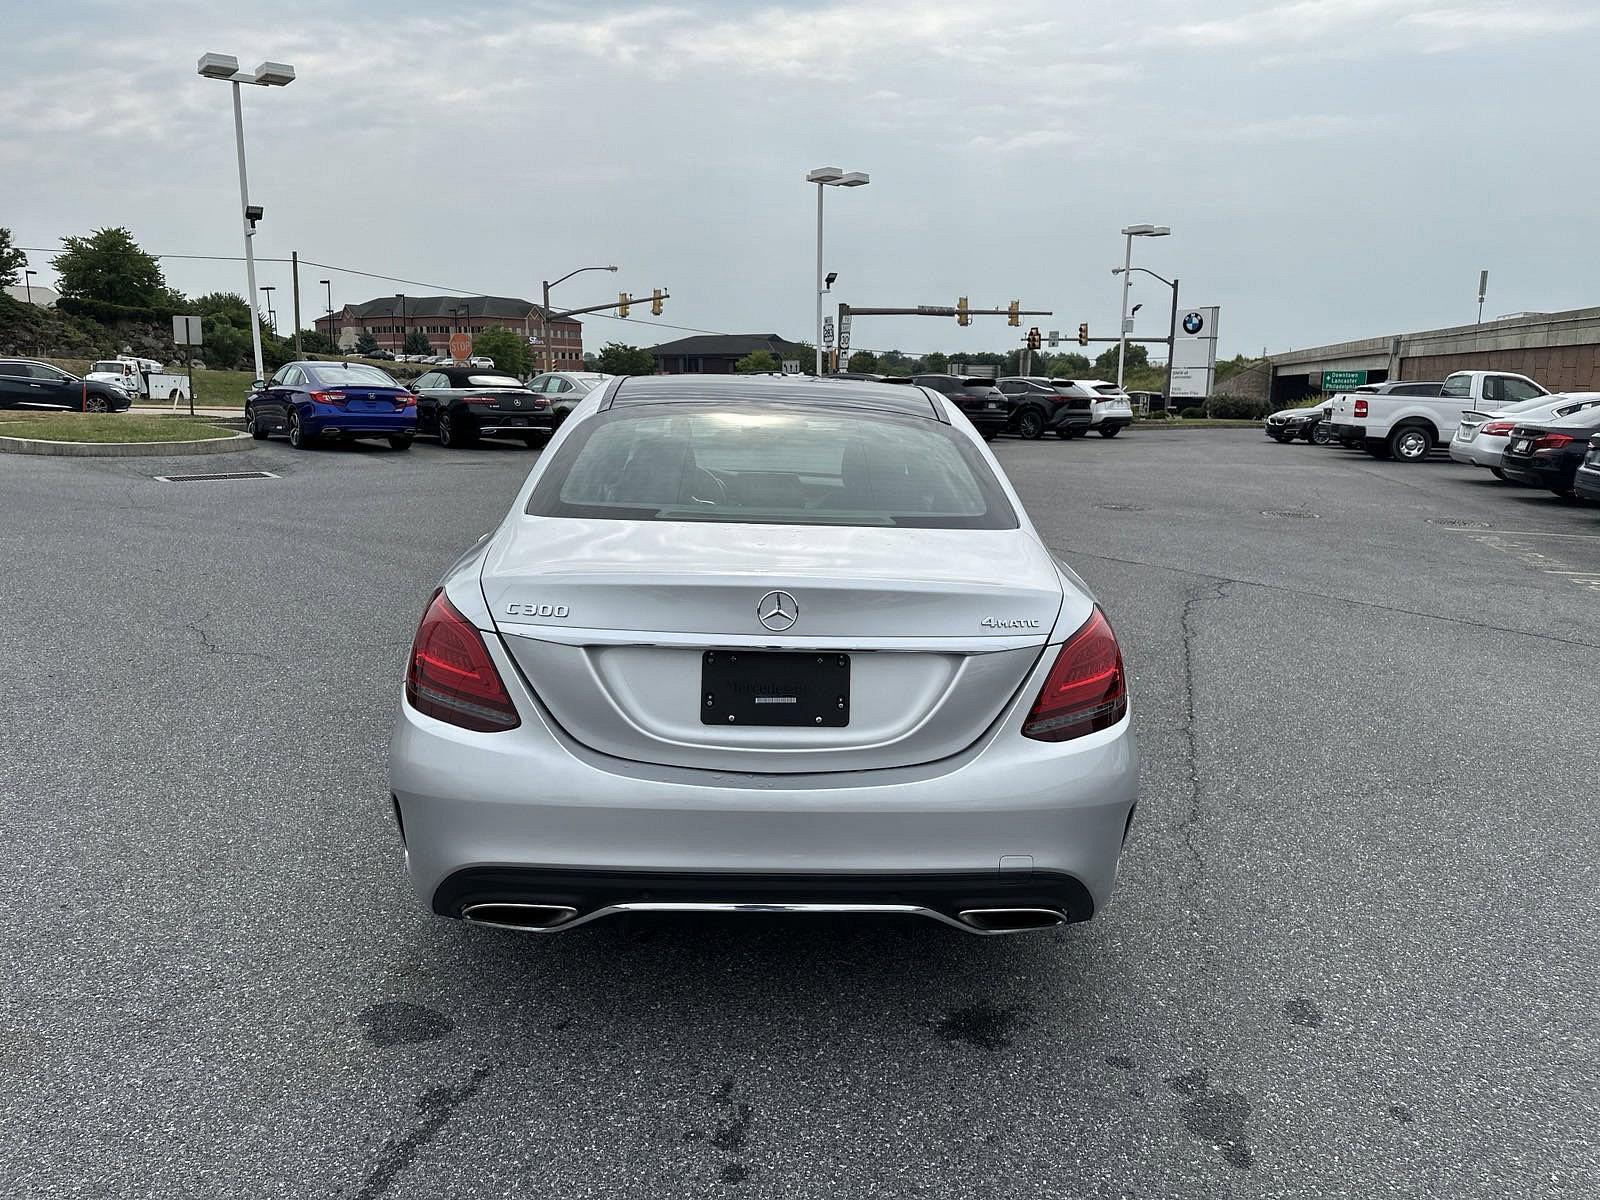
211,647
1189,819
1372,604
437,1106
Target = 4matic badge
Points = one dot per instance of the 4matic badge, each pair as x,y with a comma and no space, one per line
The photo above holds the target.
1009,623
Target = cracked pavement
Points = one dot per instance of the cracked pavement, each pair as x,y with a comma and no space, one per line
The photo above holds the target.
1353,952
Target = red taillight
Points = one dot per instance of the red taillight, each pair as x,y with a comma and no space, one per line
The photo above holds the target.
1361,408
1085,690
1497,427
1552,441
451,676
334,398
406,401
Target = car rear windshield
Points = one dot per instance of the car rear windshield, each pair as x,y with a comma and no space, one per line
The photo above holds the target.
1108,389
500,381
335,375
754,464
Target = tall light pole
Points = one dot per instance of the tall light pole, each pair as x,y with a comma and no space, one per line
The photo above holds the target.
27,283
1172,323
272,321
546,359
1131,232
332,341
268,74
825,177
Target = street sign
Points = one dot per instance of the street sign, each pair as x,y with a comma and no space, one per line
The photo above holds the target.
186,331
460,346
844,325
791,366
1342,381
827,331
1055,338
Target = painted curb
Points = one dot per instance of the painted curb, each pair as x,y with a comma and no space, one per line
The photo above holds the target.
224,445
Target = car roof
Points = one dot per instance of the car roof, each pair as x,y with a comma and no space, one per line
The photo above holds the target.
802,391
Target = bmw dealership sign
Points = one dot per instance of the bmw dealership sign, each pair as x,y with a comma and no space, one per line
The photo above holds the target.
1194,353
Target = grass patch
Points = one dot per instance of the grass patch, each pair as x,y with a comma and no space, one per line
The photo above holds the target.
106,427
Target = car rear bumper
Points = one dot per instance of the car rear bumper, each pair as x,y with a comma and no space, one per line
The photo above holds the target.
988,420
529,806
1347,435
1554,473
350,424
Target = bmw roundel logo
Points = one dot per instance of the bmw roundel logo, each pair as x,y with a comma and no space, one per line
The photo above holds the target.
1193,323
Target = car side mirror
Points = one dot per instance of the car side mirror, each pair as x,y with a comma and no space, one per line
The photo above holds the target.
258,385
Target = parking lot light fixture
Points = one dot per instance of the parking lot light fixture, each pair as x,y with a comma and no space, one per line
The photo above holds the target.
269,74
1130,232
829,177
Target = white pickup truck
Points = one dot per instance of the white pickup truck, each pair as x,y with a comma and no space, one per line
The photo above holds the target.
141,378
1408,427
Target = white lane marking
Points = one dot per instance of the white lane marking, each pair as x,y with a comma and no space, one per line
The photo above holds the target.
1591,537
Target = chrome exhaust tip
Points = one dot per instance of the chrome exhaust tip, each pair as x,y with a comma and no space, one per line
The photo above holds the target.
1011,920
527,918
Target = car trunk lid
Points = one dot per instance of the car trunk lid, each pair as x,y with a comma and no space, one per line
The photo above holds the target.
896,646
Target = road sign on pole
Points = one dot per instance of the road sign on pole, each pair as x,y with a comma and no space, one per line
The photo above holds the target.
1055,338
186,331
460,346
827,331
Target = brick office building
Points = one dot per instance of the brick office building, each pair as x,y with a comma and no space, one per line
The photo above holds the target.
389,318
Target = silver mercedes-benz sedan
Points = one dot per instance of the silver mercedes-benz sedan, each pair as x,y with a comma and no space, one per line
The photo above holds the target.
764,645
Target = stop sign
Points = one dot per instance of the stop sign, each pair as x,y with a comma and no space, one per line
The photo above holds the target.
460,346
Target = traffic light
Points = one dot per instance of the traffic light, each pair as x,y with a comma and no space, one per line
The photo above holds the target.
1034,339
962,316
655,302
1014,314
1083,334
622,304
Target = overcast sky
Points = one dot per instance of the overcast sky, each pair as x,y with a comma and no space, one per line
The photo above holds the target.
1330,168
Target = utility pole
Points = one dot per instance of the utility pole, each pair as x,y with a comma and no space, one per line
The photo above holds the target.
1172,347
294,267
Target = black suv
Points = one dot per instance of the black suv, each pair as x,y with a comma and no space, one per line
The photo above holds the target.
25,383
1038,404
983,404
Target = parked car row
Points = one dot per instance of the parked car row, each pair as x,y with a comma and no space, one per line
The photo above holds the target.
458,404
1027,405
1503,422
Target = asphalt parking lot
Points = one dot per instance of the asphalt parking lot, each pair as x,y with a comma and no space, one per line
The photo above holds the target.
1354,950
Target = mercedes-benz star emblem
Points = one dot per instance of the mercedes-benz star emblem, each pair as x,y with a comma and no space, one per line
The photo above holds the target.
517,400
1193,323
778,611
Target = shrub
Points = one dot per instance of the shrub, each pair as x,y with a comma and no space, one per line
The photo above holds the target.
1193,412
1239,408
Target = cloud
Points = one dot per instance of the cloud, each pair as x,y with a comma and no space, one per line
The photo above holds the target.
1032,139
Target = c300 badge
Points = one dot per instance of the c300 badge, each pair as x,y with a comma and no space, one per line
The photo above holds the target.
537,610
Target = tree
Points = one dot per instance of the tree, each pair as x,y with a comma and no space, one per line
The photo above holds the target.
758,362
366,343
1068,366
617,359
863,360
417,343
1106,364
804,353
509,350
108,266
314,341
892,362
936,363
12,260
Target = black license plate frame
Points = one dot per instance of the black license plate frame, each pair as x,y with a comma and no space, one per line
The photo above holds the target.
775,689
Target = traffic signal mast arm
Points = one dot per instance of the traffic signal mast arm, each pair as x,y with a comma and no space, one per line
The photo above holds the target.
941,310
619,302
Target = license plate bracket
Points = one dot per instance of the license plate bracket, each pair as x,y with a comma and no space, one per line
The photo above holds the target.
765,688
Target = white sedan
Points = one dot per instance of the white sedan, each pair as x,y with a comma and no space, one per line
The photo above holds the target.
764,646
1481,437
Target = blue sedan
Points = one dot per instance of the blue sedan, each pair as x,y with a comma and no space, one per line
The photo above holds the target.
311,401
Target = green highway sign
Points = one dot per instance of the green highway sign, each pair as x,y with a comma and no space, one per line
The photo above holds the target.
1342,381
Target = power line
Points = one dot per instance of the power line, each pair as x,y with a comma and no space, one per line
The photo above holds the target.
439,287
